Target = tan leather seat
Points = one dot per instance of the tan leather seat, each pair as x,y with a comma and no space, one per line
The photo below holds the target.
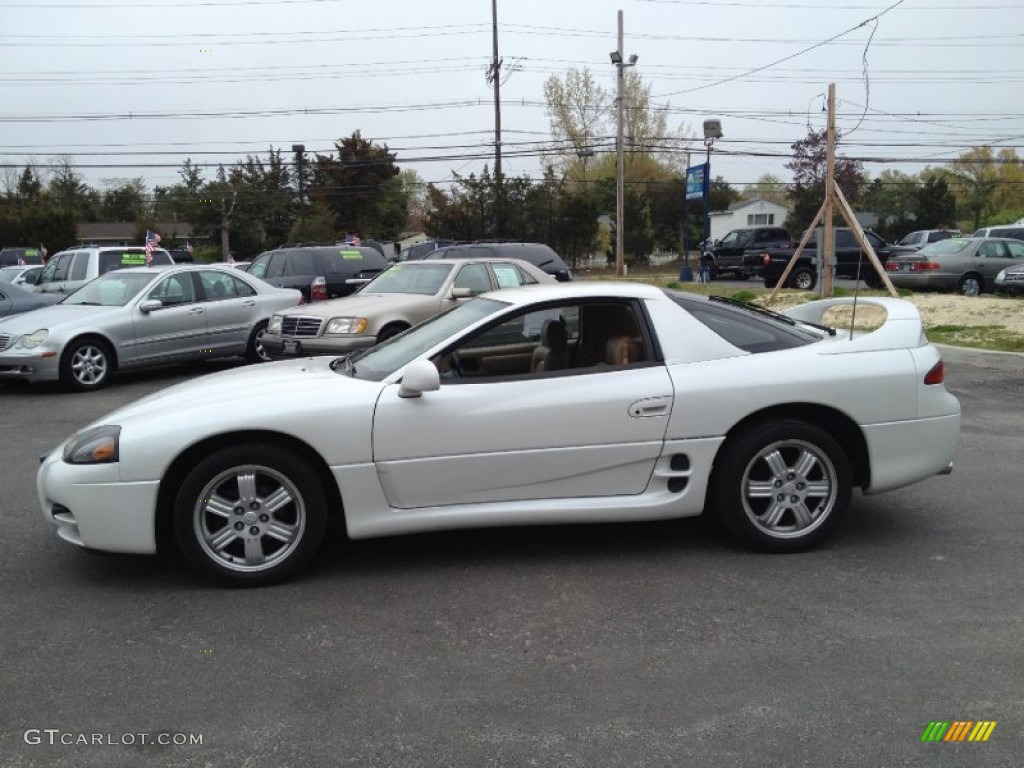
553,352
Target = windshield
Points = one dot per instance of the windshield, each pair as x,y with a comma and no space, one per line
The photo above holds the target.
377,362
7,274
421,278
115,289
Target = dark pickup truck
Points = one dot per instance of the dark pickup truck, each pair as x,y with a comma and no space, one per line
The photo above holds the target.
771,262
726,256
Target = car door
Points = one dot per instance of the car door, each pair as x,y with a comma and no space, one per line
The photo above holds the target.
56,272
499,433
991,257
231,309
177,329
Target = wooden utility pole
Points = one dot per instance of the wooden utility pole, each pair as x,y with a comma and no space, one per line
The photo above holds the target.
495,75
833,195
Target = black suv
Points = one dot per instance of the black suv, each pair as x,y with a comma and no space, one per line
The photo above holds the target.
419,251
540,255
321,272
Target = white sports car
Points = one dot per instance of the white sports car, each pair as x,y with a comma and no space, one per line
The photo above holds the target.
587,402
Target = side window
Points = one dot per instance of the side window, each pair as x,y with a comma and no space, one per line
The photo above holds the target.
507,275
474,277
1016,249
50,270
845,239
217,285
278,264
242,288
80,266
174,290
63,266
259,267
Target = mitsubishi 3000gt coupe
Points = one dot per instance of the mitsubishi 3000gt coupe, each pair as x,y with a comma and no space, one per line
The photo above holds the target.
580,403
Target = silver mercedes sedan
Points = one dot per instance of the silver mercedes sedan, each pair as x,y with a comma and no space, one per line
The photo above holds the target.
138,317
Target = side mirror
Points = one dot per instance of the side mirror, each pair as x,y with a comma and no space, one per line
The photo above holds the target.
462,293
150,305
420,376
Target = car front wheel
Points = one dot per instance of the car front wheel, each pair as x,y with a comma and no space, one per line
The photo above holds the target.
781,486
250,515
254,351
86,364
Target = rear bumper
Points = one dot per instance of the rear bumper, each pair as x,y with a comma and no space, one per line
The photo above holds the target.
905,452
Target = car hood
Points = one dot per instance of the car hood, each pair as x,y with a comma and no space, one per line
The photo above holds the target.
55,317
363,304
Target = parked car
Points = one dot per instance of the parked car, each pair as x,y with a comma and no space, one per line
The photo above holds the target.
69,270
725,256
968,265
418,251
242,265
660,405
915,241
538,254
851,261
321,272
14,300
1010,281
13,257
399,297
1012,231
20,275
138,317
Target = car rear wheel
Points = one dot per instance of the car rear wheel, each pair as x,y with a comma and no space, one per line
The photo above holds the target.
803,279
254,351
781,486
86,364
970,285
250,515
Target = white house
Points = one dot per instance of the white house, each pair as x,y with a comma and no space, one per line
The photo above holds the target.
747,213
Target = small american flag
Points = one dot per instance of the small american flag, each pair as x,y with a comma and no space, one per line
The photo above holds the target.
152,241
42,249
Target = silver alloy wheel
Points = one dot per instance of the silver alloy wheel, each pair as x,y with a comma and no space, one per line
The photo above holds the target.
249,518
261,353
970,286
803,280
789,488
89,365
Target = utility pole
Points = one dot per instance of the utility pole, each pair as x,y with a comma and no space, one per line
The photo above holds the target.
618,59
495,76
828,241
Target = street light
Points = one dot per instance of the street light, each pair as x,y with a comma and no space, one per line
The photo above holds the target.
712,131
620,65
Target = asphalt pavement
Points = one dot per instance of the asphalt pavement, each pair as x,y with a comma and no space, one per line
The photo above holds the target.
659,644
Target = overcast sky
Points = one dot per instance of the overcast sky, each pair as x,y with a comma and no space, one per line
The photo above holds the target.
150,82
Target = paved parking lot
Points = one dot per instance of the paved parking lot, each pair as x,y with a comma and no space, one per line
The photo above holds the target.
659,644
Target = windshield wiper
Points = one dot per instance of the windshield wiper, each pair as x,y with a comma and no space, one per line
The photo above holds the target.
771,313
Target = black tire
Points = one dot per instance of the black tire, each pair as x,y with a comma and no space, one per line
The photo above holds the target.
769,280
781,486
803,279
250,515
970,284
390,330
86,364
254,351
872,280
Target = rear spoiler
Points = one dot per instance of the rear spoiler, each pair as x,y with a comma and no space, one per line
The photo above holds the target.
902,328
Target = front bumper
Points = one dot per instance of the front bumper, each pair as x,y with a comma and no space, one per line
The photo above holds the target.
39,364
1010,287
285,347
92,508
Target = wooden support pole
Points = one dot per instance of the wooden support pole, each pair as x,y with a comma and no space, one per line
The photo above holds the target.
796,255
865,244
828,241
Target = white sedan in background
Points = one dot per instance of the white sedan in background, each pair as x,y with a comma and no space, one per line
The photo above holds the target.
587,402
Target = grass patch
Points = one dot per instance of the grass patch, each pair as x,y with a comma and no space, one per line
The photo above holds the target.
993,337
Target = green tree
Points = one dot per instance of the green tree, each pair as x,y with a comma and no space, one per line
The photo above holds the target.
767,187
809,172
123,200
975,181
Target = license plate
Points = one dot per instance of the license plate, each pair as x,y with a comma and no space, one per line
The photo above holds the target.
292,347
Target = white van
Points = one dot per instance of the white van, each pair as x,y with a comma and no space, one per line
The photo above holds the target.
69,270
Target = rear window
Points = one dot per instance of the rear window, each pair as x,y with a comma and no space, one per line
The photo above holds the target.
952,245
746,329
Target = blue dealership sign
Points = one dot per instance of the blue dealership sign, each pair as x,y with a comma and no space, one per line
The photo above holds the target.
696,181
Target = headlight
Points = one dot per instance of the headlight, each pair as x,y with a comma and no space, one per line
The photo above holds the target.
348,325
1001,277
274,326
33,340
98,445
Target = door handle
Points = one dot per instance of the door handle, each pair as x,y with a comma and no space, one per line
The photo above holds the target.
248,303
196,311
649,407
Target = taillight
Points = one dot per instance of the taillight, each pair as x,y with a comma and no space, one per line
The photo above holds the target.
318,289
891,266
936,375
924,266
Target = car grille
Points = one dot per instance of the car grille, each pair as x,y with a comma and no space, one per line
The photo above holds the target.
292,325
4,341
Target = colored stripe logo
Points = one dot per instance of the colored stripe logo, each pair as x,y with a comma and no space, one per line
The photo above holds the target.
959,730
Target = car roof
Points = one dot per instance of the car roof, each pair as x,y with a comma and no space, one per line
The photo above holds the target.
581,289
